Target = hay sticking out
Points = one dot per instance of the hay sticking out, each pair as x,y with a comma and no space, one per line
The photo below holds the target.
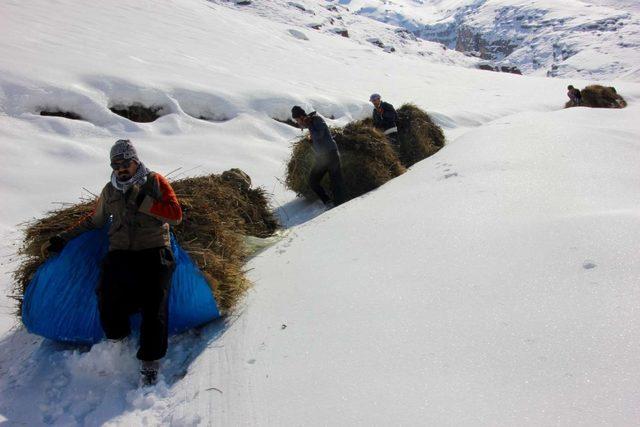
217,214
418,135
368,161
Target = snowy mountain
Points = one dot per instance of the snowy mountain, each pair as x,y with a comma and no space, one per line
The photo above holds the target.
569,38
333,18
494,283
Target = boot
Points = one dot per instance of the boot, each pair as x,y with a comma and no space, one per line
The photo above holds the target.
149,372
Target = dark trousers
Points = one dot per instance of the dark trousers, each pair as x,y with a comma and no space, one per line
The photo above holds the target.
327,162
393,138
137,281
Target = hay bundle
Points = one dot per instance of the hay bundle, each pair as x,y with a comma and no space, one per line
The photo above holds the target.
596,96
419,137
368,161
240,208
217,213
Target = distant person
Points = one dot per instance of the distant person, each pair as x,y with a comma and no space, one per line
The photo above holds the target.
139,205
575,96
327,158
385,117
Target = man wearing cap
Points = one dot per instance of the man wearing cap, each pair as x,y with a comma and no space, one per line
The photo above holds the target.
140,206
327,158
385,117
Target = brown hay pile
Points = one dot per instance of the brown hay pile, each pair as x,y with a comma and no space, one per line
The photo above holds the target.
368,161
597,96
418,135
217,213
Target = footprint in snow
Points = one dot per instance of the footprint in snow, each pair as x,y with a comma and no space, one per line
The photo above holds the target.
588,265
447,170
443,165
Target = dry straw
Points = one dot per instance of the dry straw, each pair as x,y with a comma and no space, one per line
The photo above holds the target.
218,211
419,136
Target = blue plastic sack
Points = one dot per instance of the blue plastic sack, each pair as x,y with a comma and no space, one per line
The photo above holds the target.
60,302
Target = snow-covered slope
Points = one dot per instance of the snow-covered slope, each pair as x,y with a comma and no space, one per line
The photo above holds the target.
568,38
494,283
333,18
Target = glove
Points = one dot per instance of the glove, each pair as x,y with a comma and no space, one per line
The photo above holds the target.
54,245
144,192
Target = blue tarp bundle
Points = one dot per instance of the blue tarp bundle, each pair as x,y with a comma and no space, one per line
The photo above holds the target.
60,302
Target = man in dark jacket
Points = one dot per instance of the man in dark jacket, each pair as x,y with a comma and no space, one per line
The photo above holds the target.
385,117
574,95
136,273
327,158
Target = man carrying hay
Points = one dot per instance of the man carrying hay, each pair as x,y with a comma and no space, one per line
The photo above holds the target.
327,158
575,96
136,273
385,117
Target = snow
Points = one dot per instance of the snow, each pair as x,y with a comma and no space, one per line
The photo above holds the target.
569,38
298,34
492,284
332,18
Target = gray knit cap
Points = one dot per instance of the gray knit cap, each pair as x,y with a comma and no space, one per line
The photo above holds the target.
123,149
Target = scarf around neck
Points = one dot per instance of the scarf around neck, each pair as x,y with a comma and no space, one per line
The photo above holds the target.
140,177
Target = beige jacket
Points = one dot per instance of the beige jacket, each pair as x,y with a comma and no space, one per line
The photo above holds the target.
134,227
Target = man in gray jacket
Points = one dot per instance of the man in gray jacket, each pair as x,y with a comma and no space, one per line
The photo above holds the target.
327,158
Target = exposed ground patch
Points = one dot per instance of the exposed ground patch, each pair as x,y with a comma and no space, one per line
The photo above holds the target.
213,118
61,113
138,112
